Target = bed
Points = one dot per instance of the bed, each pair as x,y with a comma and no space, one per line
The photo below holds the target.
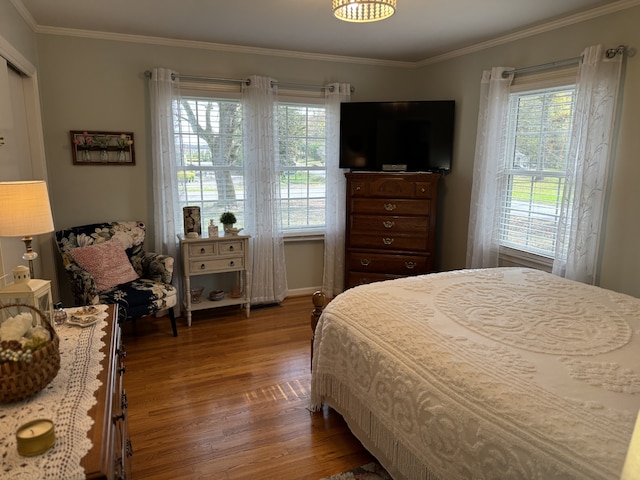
505,373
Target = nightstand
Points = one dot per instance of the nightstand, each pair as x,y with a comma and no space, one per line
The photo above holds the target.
206,257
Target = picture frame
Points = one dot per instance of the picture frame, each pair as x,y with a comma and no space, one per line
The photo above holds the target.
102,148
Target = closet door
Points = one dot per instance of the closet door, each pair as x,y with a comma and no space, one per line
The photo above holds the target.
15,158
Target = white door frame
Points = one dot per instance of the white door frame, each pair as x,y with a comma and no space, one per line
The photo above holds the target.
36,147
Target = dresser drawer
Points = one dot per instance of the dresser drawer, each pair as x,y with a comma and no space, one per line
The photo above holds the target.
216,264
202,250
388,224
391,187
388,242
388,263
361,278
391,206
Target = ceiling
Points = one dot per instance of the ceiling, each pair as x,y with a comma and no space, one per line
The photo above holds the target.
418,31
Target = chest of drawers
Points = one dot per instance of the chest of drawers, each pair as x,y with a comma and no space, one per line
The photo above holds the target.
391,220
110,457
206,257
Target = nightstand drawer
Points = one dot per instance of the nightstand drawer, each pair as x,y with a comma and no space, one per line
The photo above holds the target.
216,265
202,249
229,247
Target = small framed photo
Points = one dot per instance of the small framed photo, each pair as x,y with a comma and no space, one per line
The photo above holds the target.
102,148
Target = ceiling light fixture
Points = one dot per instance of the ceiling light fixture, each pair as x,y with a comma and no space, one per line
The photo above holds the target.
361,11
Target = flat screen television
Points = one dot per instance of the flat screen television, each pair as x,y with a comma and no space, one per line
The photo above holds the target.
415,136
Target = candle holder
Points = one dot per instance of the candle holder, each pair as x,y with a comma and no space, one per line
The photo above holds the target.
35,437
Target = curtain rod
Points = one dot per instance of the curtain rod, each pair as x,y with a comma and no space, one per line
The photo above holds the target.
300,86
609,53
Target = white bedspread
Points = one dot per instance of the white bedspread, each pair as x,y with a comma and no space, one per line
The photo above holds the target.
484,374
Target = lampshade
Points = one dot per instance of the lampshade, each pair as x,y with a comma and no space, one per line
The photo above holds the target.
363,10
631,470
24,209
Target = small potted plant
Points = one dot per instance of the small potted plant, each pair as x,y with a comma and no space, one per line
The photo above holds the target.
227,219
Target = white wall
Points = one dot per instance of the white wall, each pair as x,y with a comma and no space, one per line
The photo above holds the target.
17,32
93,84
459,78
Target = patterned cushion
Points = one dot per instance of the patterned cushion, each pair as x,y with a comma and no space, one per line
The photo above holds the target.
107,262
140,297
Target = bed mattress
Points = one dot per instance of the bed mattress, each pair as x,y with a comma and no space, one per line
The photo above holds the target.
506,373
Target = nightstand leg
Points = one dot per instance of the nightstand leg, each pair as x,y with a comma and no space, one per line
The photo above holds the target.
187,299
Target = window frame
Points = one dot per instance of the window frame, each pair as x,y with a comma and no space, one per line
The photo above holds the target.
222,91
217,94
508,254
311,98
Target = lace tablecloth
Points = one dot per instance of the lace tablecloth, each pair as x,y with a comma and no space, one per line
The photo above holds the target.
65,401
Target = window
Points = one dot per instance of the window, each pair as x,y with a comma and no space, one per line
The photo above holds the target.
301,141
210,169
537,145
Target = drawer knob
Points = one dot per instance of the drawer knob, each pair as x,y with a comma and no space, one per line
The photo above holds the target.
422,190
365,262
388,224
202,251
232,263
389,207
358,188
202,266
387,240
410,265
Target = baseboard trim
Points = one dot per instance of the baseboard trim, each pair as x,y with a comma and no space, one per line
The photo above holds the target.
299,292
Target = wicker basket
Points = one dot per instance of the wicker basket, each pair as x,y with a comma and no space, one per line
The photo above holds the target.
20,380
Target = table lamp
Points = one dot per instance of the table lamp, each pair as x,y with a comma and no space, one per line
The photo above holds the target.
25,211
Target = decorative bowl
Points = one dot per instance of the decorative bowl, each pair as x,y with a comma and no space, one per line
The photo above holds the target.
196,294
216,295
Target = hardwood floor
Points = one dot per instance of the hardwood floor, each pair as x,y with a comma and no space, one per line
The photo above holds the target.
227,399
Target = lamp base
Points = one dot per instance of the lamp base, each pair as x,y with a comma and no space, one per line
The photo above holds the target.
29,255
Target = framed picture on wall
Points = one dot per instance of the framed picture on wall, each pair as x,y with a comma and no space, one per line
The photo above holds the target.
102,148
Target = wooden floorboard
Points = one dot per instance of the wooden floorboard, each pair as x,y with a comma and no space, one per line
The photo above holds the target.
228,399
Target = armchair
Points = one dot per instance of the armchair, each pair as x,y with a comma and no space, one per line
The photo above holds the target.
106,263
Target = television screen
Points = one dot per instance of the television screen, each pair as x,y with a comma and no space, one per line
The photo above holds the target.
413,136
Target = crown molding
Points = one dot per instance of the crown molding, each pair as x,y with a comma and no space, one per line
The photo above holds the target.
220,47
529,32
26,15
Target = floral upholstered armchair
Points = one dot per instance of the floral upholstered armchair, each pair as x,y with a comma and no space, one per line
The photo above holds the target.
106,263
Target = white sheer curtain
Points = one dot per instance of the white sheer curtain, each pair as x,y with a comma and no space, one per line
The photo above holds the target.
581,217
333,276
482,246
164,96
262,189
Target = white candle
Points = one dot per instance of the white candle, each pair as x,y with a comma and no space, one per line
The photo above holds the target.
35,437
35,429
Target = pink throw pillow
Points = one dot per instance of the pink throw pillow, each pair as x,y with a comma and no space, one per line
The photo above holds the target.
106,262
